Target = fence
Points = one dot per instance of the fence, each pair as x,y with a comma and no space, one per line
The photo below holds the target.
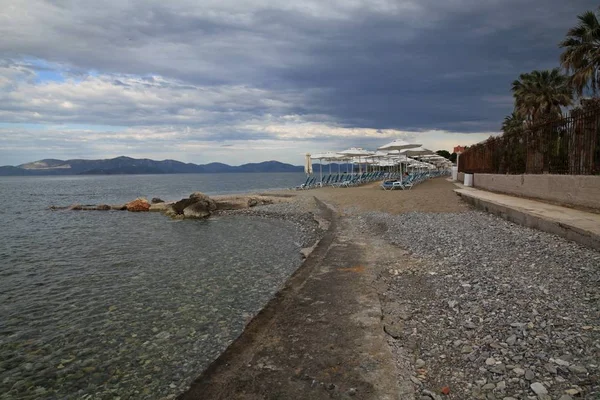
569,145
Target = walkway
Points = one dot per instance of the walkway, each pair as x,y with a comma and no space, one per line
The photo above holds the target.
322,337
580,226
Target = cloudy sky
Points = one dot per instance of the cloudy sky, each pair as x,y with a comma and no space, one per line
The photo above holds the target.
253,80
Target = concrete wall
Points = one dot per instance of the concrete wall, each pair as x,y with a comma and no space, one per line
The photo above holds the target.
574,190
461,176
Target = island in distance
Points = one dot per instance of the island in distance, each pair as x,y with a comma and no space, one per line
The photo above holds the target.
128,165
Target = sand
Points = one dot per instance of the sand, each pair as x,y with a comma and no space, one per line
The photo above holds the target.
435,195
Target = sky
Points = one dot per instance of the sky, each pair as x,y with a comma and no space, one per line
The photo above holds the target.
241,81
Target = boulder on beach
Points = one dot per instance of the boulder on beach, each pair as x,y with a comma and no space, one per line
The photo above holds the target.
156,200
138,205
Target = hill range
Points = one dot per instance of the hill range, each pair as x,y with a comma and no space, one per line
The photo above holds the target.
127,165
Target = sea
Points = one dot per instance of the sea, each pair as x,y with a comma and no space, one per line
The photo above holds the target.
109,305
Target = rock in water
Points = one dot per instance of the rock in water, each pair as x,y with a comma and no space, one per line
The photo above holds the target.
103,207
202,198
156,200
138,205
196,210
178,207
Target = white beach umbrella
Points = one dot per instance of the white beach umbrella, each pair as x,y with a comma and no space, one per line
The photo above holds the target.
399,144
320,157
330,156
417,151
355,152
308,169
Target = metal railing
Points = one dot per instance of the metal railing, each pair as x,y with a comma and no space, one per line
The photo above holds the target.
570,145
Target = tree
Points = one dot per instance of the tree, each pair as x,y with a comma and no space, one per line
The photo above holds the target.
513,123
582,53
539,95
452,157
443,153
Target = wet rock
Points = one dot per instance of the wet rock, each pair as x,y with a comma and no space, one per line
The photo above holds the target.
76,207
103,207
207,202
156,200
138,205
196,210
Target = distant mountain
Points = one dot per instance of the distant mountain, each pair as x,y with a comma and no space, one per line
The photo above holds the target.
128,165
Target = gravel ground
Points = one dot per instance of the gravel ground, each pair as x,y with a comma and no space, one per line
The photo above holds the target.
490,309
303,211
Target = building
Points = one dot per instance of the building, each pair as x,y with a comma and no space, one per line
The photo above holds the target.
459,149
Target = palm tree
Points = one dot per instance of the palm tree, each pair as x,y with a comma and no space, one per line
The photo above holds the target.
513,123
539,95
582,53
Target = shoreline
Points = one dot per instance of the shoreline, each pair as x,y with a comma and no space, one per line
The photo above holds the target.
414,277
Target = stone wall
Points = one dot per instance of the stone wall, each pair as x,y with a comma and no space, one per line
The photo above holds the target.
574,190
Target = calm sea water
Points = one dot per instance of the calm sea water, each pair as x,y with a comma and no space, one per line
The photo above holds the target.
95,305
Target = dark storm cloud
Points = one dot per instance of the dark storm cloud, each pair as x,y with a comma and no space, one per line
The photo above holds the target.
444,75
409,65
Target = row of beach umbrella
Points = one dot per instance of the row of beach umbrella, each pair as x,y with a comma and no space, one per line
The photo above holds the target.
393,154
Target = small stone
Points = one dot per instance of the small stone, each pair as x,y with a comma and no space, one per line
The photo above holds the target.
572,391
558,361
529,375
511,340
420,363
508,398
498,369
466,349
519,371
163,335
551,368
538,388
416,380
351,392
501,385
469,325
488,386
578,370
490,361
565,397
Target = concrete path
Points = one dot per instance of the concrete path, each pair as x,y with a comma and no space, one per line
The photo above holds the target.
321,337
579,226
